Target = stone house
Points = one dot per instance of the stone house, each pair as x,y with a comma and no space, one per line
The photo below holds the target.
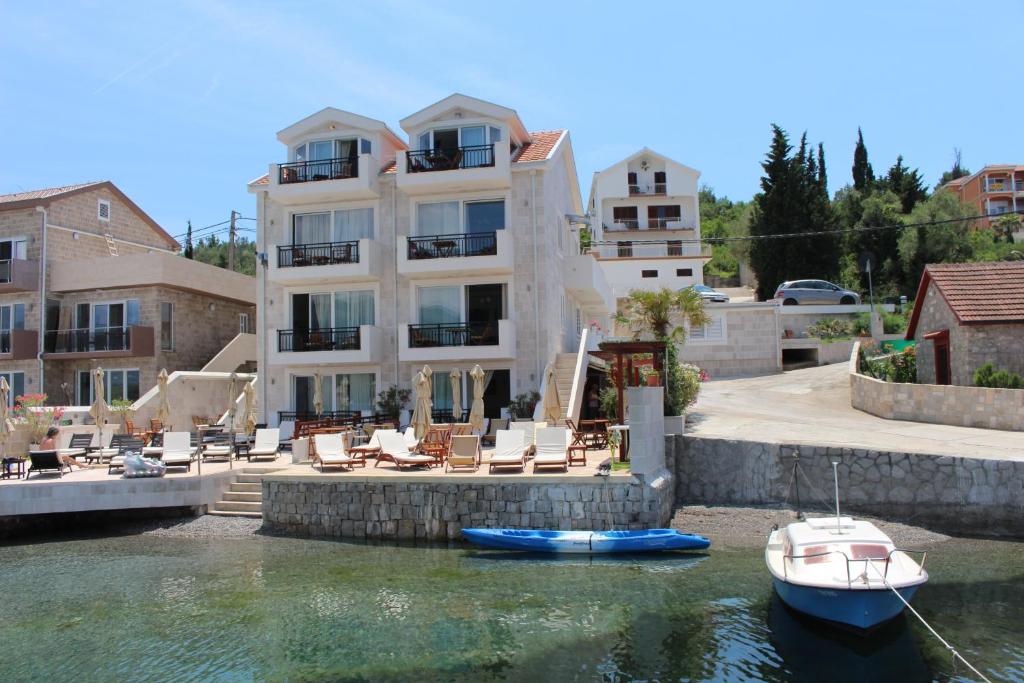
88,279
966,315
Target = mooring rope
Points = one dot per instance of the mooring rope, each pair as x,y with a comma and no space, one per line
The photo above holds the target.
945,643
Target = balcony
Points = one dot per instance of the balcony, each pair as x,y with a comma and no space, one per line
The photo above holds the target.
650,249
634,224
325,179
585,280
101,342
457,254
18,275
19,344
362,345
648,190
478,167
350,261
457,341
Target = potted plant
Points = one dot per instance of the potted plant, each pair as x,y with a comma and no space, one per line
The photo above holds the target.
650,376
614,438
31,411
392,401
523,405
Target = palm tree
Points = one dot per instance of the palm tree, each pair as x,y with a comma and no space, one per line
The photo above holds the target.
663,314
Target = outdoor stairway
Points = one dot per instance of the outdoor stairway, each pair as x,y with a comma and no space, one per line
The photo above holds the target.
244,498
565,375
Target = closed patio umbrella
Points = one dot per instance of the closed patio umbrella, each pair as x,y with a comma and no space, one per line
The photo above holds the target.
476,411
456,378
6,426
318,395
552,410
99,410
232,399
421,413
250,408
163,406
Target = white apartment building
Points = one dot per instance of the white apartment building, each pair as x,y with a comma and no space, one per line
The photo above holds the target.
448,246
645,224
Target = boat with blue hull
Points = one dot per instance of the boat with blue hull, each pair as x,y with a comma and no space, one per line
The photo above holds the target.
552,541
843,571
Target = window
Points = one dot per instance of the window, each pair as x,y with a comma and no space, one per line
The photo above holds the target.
625,249
16,381
349,225
311,228
10,250
440,305
648,273
684,272
625,217
243,324
437,218
675,248
659,182
339,393
466,136
486,216
474,304
117,384
321,150
714,331
12,317
659,217
443,218
353,224
103,210
166,326
326,310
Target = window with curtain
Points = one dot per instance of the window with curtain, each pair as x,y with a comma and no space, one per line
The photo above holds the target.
16,381
485,216
345,149
311,228
303,394
440,305
352,309
437,218
441,393
355,392
319,311
353,224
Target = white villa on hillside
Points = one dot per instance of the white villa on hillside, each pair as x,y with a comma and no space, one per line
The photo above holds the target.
448,246
645,223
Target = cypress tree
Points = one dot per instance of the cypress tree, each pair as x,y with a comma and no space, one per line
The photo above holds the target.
189,249
822,176
863,174
906,184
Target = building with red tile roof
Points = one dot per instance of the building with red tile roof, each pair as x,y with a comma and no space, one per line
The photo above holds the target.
966,315
995,189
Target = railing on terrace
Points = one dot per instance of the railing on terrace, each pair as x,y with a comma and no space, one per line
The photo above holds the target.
325,339
445,416
649,249
648,189
652,224
456,244
453,334
624,224
321,169
5,342
472,156
319,254
5,270
341,416
83,340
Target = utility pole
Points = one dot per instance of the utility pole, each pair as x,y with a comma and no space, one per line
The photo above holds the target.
231,241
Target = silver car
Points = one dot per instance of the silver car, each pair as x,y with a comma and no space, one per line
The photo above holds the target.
712,295
795,292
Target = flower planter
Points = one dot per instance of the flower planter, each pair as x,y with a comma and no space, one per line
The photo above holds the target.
653,380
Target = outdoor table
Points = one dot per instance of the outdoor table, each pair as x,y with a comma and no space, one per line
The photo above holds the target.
623,431
444,248
15,466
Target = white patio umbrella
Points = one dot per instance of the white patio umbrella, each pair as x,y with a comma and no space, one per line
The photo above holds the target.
476,411
456,379
421,413
318,395
6,426
552,409
99,410
163,407
250,408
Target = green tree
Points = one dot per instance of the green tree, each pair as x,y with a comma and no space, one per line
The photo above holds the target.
863,175
948,242
721,217
906,184
189,249
662,314
213,251
793,199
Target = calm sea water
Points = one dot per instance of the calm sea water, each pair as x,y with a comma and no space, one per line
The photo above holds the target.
143,608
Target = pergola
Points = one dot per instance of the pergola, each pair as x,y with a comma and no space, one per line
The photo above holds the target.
620,354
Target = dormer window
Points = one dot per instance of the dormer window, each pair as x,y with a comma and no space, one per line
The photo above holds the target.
463,136
321,150
324,160
445,149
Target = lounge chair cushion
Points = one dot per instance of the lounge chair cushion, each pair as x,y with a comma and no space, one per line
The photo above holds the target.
176,458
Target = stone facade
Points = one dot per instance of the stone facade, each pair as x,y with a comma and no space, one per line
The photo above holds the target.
750,347
962,495
347,506
970,346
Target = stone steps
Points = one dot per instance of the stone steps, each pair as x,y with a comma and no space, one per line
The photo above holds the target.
246,487
244,498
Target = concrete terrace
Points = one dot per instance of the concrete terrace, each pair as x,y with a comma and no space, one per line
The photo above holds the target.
812,406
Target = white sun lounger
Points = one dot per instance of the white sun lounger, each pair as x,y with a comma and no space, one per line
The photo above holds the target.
267,444
178,451
392,447
411,442
509,449
552,448
330,451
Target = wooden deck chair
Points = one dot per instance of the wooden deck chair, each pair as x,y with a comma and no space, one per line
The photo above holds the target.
462,429
495,424
509,450
331,451
552,448
393,448
465,452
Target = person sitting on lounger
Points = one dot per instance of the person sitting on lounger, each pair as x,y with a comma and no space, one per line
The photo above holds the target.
49,443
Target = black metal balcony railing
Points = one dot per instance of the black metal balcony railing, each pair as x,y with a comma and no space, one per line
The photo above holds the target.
453,334
86,340
654,188
326,339
320,254
458,244
5,270
351,417
473,156
321,169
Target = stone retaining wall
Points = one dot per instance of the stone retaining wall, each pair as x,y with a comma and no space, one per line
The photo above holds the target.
960,495
937,404
412,507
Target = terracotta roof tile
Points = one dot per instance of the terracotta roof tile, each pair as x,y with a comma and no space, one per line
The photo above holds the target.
262,180
977,293
538,150
45,193
390,168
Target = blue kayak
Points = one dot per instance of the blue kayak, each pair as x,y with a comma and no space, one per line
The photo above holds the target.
549,541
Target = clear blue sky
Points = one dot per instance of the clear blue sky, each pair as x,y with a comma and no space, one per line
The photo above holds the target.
178,103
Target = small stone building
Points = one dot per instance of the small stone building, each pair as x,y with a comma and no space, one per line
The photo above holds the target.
966,315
